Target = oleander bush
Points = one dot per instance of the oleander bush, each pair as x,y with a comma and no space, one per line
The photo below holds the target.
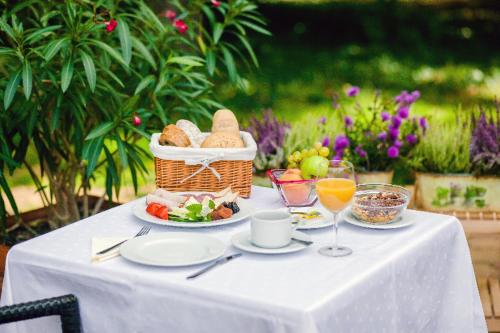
84,81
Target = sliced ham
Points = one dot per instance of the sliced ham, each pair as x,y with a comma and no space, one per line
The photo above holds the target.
169,195
152,198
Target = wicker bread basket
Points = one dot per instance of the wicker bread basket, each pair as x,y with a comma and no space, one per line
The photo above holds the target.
204,169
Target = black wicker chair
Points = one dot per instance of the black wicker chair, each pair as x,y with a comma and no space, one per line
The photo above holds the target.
65,306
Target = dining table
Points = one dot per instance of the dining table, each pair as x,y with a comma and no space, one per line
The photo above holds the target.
418,278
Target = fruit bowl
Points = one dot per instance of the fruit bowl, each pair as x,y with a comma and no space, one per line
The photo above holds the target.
294,193
379,203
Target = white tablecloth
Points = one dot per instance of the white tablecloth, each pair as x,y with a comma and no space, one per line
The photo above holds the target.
416,279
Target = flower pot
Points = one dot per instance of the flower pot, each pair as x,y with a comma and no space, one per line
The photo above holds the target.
383,177
457,192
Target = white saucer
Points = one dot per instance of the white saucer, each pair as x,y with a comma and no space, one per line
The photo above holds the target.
325,220
242,241
406,219
173,249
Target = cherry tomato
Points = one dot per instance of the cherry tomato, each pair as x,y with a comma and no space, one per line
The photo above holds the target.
162,213
153,208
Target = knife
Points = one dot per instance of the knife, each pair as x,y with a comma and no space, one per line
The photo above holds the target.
216,263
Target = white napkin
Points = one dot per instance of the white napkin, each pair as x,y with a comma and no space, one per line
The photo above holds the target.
102,243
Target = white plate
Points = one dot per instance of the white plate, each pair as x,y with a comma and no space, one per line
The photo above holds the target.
242,241
407,218
173,249
139,211
326,220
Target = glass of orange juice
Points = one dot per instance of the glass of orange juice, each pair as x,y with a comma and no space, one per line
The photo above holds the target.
335,192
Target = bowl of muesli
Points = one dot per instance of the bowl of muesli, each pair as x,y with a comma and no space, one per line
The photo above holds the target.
379,203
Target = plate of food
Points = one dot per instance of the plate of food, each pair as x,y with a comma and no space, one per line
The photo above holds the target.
192,209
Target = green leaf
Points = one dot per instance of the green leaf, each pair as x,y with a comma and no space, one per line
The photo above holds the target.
93,155
195,208
121,151
152,17
67,73
125,41
10,90
100,130
109,50
247,45
211,62
186,60
255,27
230,65
5,186
4,26
218,30
144,83
7,51
40,33
27,78
88,64
54,47
143,50
211,204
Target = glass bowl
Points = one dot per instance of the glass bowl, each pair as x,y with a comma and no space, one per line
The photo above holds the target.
294,193
379,203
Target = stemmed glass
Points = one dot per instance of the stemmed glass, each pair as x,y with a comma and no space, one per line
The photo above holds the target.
335,192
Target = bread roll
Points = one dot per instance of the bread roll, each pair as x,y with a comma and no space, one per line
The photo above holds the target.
225,121
174,136
192,131
223,140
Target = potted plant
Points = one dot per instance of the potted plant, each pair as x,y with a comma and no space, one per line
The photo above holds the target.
376,137
85,84
458,166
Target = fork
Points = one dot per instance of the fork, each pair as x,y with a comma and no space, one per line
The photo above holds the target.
142,232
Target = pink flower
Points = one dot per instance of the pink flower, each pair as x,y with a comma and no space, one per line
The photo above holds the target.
322,120
110,25
215,3
170,14
341,143
393,152
396,121
360,151
181,26
398,143
136,121
353,91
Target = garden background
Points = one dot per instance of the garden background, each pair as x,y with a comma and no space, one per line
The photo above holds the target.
448,50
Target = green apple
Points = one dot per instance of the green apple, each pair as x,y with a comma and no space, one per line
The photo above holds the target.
314,166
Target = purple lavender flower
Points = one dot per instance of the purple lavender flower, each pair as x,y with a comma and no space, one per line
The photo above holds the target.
348,121
359,150
415,94
411,139
341,143
322,120
398,144
393,152
326,141
396,121
353,91
393,133
404,112
385,116
382,136
268,132
423,123
401,97
485,144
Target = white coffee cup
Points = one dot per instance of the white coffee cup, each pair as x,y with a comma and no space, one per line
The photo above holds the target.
271,229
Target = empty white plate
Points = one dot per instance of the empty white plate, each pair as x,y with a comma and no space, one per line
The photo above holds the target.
242,241
139,211
174,249
406,219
